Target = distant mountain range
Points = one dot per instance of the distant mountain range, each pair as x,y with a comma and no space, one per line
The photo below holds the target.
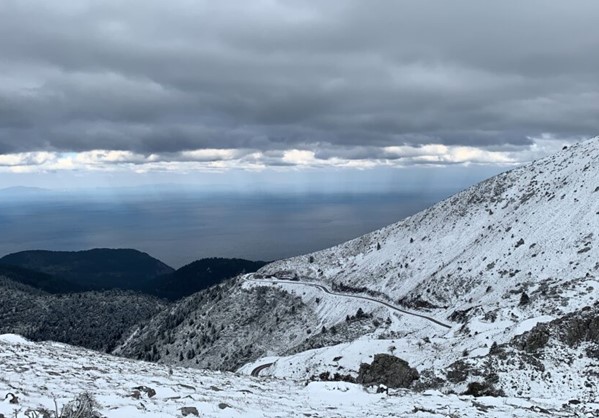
125,269
23,189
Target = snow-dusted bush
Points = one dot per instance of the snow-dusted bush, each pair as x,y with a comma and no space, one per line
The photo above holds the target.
83,406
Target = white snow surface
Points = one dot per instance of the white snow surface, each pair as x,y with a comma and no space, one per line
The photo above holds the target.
13,339
41,373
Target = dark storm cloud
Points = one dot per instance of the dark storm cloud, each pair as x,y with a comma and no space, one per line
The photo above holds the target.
344,78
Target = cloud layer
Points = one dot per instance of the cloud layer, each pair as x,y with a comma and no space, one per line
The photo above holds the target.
216,84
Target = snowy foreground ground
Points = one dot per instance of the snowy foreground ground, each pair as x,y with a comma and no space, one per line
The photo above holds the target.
41,373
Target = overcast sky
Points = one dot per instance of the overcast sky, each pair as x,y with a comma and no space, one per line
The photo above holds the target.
148,89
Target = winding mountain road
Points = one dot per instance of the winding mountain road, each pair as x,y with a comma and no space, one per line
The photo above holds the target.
330,292
257,370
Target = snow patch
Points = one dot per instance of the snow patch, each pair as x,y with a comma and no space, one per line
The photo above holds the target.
13,339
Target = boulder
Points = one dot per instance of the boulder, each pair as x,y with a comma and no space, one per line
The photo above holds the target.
190,410
387,370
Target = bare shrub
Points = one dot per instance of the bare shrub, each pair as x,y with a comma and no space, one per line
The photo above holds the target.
83,406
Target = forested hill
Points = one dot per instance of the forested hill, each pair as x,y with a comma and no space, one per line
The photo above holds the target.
125,269
199,275
99,268
42,281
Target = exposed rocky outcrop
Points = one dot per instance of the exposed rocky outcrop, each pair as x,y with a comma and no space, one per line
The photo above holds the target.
573,330
562,350
387,370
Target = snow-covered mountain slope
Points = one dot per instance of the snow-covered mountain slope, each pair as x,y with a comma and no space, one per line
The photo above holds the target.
46,376
531,229
535,357
520,245
495,260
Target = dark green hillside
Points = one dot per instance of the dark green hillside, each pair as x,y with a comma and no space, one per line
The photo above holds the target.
95,320
93,269
200,275
35,279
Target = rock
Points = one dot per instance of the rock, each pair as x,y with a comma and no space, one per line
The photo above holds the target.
12,399
572,329
223,405
190,410
387,370
477,389
382,389
147,390
534,340
585,328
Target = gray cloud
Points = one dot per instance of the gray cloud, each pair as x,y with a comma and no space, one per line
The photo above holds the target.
343,78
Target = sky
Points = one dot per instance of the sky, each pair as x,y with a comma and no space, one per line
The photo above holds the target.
290,94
